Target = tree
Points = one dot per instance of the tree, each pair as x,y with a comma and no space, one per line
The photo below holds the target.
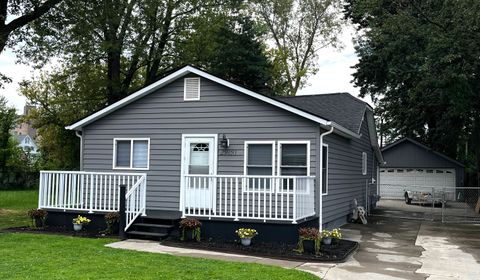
419,62
61,97
7,122
134,39
298,29
229,47
23,12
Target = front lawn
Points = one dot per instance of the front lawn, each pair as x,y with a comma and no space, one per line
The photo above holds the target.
39,256
14,206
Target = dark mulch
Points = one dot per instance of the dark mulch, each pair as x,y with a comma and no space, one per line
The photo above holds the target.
61,231
329,253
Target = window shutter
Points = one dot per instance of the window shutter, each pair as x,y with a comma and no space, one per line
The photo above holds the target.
192,89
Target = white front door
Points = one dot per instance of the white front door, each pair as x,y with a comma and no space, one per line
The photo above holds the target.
199,158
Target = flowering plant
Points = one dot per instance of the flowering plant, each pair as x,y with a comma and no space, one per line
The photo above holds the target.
336,233
192,225
246,232
326,233
308,233
81,220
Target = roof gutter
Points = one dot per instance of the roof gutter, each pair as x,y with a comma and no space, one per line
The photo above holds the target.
320,204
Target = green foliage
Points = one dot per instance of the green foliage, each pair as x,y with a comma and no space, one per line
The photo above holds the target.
191,225
229,47
62,97
298,29
419,62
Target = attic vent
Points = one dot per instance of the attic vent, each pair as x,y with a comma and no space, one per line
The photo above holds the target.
192,89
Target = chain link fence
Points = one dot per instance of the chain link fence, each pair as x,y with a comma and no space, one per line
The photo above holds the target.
444,204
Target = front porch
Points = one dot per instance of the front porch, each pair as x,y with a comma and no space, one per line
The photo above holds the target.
234,198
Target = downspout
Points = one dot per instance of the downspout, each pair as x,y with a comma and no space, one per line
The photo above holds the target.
81,148
320,204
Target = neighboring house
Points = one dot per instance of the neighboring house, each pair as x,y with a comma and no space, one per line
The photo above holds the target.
27,144
25,127
194,145
409,163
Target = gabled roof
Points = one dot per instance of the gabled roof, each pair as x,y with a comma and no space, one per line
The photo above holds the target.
407,139
345,109
339,129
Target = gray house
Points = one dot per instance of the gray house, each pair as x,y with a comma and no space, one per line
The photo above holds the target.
195,145
408,163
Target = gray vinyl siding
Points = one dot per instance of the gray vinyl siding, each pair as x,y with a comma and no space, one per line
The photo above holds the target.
346,182
163,116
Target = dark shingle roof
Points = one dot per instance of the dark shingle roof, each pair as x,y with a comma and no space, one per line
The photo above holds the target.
342,108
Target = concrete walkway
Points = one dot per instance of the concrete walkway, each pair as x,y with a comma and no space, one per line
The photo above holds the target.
389,249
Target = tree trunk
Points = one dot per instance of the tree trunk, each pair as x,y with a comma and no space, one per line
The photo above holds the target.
114,92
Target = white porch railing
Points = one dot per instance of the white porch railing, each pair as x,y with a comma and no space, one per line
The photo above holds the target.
275,198
89,191
135,201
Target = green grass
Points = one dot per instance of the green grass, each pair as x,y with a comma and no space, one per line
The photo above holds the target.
38,256
41,256
14,206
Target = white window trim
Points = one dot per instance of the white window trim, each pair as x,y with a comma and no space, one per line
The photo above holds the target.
245,154
185,89
364,163
279,154
326,170
115,140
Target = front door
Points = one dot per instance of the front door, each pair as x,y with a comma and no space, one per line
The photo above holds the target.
198,161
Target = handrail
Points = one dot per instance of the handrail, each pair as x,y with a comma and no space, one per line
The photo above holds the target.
92,172
248,197
135,201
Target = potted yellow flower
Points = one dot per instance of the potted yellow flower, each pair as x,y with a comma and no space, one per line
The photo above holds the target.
246,235
326,237
336,235
79,221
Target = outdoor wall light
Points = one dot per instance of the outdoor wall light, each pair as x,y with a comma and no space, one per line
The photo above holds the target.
225,142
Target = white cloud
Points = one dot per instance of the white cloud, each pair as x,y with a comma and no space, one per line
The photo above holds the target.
335,72
17,72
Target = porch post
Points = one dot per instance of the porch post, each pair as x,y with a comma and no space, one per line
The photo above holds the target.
123,219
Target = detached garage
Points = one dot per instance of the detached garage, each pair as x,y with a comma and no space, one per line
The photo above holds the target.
409,163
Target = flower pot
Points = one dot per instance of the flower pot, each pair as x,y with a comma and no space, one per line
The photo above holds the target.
309,246
77,227
246,241
327,240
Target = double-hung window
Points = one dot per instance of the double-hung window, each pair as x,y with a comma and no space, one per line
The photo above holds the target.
132,153
293,160
259,161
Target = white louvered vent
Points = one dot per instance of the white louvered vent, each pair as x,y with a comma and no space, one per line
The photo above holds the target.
192,89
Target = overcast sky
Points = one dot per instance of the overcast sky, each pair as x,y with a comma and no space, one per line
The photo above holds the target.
334,75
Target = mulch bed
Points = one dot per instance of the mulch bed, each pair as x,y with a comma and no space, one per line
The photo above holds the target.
60,231
329,253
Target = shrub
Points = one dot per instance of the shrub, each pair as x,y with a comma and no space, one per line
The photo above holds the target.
111,219
37,214
310,234
336,233
192,225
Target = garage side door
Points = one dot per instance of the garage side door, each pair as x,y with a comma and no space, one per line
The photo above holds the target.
393,181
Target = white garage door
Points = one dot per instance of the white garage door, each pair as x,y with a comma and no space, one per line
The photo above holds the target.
393,181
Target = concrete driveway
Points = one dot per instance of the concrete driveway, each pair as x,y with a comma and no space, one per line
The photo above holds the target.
389,249
406,249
